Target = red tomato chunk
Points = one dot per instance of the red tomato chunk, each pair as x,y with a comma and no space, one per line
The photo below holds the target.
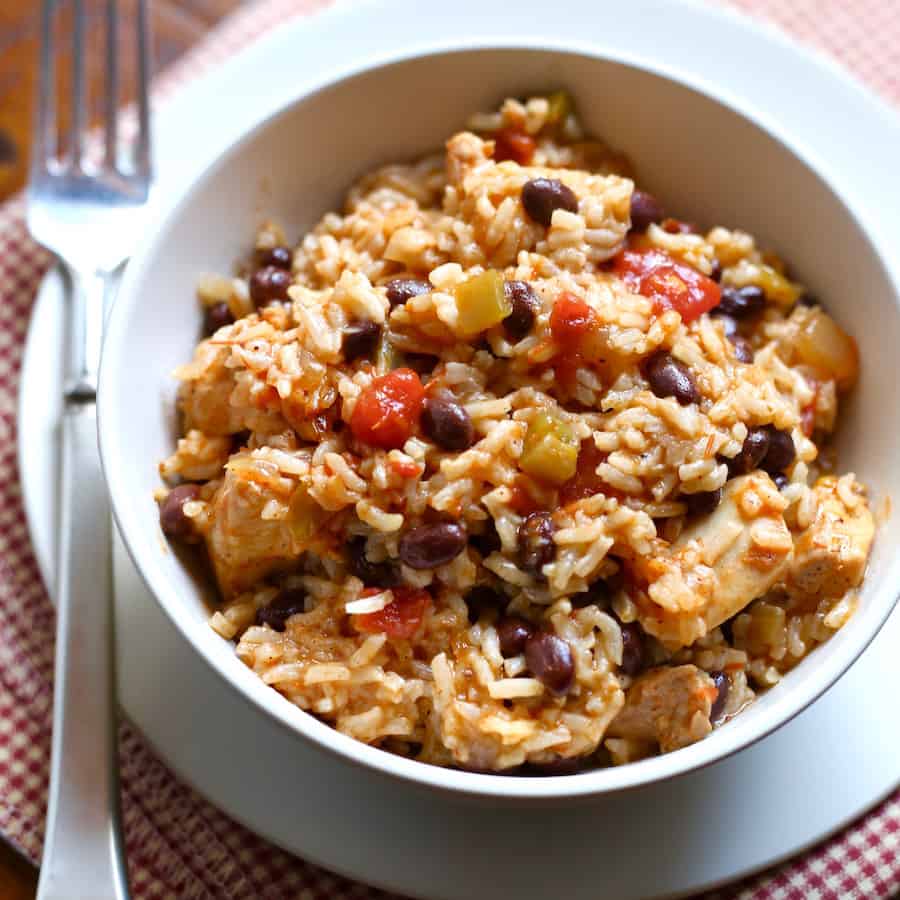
571,319
585,482
400,618
676,226
514,145
388,409
670,284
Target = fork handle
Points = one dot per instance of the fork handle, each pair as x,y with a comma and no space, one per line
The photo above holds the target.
82,845
88,311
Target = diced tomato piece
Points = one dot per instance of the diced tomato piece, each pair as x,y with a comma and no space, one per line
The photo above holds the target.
585,481
520,499
514,145
676,226
388,409
571,319
566,366
670,284
808,413
400,618
808,419
405,468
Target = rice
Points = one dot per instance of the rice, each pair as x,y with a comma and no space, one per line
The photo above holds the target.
451,508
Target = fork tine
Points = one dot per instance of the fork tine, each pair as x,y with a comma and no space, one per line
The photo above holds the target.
112,84
143,163
45,144
78,86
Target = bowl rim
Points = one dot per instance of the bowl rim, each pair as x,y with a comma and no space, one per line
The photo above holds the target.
720,744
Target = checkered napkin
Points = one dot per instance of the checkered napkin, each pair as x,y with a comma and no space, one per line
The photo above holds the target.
180,846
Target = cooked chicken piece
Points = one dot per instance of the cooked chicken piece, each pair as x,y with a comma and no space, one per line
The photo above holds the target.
215,401
669,706
718,564
830,555
205,392
465,152
198,457
245,545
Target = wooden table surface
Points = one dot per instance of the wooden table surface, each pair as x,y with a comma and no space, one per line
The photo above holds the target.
176,25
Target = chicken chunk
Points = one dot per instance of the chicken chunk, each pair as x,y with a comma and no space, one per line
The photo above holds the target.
215,399
717,565
667,706
259,520
830,556
198,457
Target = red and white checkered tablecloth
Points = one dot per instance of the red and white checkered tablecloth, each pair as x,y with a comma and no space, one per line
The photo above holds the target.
178,844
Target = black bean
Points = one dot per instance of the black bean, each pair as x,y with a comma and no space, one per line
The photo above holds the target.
598,594
280,257
360,339
288,603
670,378
240,439
402,289
740,302
420,363
633,650
781,480
754,448
513,633
646,210
446,422
269,284
781,452
541,197
549,659
356,557
172,520
483,599
536,545
525,305
429,546
743,349
716,271
489,541
729,325
703,503
743,352
722,683
383,574
215,317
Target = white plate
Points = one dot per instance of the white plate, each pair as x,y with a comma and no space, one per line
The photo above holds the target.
742,814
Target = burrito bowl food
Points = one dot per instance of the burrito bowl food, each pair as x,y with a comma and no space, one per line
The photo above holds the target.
502,468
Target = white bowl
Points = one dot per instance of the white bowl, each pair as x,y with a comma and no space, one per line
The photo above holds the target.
711,160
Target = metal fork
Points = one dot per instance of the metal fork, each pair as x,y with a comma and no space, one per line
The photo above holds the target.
89,214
